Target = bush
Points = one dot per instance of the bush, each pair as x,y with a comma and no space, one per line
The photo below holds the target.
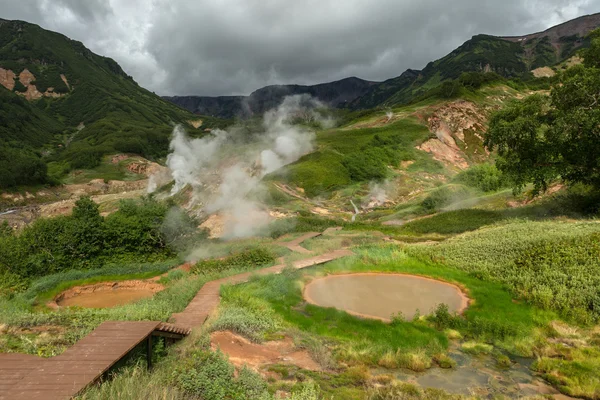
485,177
257,257
85,239
444,196
209,375
366,166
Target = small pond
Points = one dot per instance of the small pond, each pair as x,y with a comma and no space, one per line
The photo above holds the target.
107,294
380,296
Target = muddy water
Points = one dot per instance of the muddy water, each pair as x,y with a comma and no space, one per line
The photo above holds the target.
383,295
479,375
106,298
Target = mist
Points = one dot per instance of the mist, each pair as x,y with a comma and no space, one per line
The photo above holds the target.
224,169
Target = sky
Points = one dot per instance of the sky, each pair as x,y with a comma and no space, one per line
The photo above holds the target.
231,47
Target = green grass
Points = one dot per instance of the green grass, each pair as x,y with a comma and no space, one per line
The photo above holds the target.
401,343
48,287
341,157
552,264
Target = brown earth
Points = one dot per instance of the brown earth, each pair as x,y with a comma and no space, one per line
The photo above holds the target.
215,224
195,123
243,352
108,289
451,123
543,72
7,78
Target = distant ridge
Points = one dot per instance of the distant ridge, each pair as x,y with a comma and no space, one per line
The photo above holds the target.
508,56
335,94
580,26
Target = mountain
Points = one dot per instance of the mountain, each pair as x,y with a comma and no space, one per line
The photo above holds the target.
509,57
334,94
65,106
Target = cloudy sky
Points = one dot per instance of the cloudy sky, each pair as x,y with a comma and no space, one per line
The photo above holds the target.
224,47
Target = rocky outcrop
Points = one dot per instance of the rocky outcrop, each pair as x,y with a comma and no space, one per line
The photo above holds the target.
7,78
458,127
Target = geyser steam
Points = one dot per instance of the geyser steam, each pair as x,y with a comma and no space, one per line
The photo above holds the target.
224,169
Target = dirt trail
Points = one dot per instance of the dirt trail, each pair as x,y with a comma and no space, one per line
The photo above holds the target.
242,352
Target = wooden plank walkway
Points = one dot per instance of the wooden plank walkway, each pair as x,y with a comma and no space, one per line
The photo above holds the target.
208,299
294,245
33,378
27,377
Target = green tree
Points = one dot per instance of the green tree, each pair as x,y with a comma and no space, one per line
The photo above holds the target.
541,138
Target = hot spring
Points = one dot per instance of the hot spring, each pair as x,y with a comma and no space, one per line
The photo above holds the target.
381,296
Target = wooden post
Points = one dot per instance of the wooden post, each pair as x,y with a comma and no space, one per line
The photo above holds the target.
149,351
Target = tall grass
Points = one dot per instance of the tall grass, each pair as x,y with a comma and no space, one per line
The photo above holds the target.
552,264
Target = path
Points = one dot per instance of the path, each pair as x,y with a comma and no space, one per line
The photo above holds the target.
294,245
208,299
27,377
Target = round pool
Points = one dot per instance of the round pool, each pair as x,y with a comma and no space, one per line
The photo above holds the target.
380,296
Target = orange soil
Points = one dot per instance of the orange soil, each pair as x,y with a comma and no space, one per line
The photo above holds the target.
243,352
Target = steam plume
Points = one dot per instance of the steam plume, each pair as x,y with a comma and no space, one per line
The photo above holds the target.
224,169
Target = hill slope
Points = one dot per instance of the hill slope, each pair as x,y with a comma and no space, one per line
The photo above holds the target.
72,106
510,57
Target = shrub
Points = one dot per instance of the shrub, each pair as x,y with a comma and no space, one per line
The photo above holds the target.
444,196
485,177
256,257
209,375
85,239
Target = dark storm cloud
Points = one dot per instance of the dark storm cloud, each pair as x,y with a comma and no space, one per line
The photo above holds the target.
223,47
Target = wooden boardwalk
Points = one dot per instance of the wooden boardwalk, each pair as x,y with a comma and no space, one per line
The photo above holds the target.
27,377
294,245
208,299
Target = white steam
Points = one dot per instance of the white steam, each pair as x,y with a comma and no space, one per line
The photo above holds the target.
379,194
224,169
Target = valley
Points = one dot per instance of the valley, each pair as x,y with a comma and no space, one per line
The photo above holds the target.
433,236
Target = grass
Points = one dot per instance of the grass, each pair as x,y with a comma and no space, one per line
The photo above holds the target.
279,297
552,264
107,170
493,316
18,314
334,164
45,288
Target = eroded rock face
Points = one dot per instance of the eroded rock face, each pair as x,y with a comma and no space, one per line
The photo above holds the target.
195,123
459,128
7,78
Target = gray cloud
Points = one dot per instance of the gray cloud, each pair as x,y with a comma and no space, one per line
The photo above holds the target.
221,47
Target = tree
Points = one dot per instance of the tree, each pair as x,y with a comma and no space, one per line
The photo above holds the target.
541,138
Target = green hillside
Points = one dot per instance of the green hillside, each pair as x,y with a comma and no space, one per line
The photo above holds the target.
482,54
96,110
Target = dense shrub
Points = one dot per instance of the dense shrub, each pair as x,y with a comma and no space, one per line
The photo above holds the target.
253,257
209,375
85,239
445,196
485,177
366,165
21,167
551,264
